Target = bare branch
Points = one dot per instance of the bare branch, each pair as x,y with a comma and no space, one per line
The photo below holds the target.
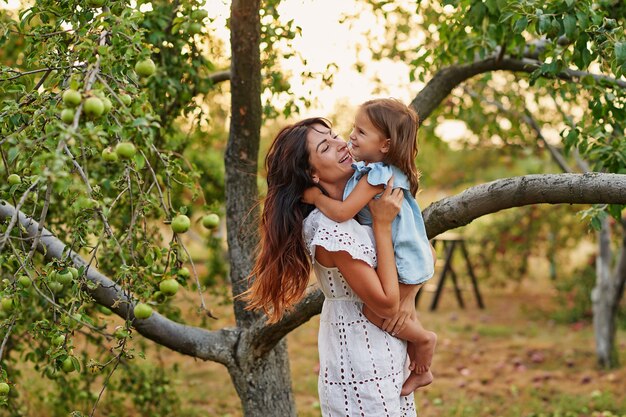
444,81
477,201
220,76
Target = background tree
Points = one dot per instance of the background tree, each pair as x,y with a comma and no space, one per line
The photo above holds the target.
70,203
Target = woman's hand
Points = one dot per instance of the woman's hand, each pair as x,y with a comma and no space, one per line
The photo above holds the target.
387,207
310,195
406,312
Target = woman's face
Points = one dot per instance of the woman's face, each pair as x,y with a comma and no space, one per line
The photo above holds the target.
329,156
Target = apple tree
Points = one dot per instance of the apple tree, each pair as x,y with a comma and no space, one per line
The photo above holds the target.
99,187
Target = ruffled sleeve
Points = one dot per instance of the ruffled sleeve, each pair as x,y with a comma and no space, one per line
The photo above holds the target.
348,236
378,173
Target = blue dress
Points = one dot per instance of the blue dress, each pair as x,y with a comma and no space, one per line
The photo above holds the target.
414,259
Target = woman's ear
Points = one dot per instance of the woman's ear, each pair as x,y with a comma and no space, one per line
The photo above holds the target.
315,178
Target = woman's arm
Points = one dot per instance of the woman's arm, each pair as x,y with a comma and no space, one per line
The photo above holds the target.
378,289
341,211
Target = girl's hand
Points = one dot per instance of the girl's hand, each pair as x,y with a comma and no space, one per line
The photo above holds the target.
387,207
310,195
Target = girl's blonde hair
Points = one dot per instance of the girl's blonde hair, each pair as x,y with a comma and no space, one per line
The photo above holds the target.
399,123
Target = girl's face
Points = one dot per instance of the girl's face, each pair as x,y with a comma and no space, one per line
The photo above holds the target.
329,156
368,143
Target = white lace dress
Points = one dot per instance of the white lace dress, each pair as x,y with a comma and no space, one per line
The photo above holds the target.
362,368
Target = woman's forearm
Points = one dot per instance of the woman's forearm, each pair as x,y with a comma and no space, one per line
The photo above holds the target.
386,269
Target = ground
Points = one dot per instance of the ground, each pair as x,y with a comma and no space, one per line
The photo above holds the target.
509,359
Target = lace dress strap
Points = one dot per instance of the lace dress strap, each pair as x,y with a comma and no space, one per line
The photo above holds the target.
348,236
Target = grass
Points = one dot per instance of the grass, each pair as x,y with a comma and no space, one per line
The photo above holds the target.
507,360
494,362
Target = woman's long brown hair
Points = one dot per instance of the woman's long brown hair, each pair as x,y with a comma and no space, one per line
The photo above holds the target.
281,272
399,123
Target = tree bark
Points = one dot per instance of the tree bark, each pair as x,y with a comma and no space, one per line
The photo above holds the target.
217,345
242,151
463,208
606,296
446,79
263,382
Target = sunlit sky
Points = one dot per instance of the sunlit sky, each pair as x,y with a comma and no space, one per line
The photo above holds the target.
324,41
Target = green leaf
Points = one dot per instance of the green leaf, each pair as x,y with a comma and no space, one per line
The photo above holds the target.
569,22
620,52
492,6
615,210
520,25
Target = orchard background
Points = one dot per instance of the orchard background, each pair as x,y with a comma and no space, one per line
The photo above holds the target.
126,127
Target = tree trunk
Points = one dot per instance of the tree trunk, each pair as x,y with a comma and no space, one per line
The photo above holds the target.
263,382
606,296
264,385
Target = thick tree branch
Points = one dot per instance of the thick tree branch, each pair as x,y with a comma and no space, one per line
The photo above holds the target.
477,201
216,346
263,337
444,81
220,76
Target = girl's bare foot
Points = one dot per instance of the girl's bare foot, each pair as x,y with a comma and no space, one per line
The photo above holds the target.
423,353
415,381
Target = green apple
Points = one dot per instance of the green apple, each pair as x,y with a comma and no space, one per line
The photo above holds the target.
58,340
107,105
72,98
125,98
211,221
74,272
4,389
169,287
108,155
94,106
24,281
64,277
145,68
180,223
142,311
184,272
67,115
195,28
55,286
125,150
7,304
14,179
159,297
68,365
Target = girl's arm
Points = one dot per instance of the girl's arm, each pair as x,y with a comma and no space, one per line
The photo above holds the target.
341,211
379,288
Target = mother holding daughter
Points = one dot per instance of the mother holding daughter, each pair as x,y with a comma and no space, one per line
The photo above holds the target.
362,367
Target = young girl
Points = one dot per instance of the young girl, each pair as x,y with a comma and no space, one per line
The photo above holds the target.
384,142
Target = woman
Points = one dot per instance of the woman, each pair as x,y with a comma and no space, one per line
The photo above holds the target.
362,368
